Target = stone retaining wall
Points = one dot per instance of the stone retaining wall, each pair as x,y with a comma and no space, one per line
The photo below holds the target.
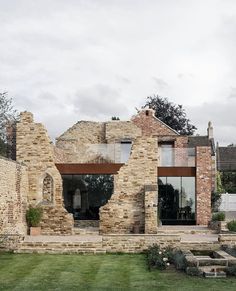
227,239
137,243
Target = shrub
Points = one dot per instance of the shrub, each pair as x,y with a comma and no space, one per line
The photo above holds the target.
219,216
232,225
157,258
193,271
34,215
231,250
179,260
231,270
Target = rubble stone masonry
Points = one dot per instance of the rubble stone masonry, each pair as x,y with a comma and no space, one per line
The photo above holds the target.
117,131
13,197
125,211
74,143
35,149
203,185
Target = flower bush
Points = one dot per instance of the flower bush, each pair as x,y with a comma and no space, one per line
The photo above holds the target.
158,258
179,260
232,225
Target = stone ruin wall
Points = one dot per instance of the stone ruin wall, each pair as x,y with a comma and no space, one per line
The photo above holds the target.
203,185
117,131
13,197
126,211
73,145
35,149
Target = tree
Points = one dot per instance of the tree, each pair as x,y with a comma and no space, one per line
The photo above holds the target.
171,114
8,115
232,145
115,118
216,195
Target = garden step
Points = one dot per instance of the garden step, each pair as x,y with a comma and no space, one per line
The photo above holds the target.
213,271
86,223
185,229
86,245
86,230
60,250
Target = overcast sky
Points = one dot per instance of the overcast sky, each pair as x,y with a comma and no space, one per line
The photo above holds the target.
67,60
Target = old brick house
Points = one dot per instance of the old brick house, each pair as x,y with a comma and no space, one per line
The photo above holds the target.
130,175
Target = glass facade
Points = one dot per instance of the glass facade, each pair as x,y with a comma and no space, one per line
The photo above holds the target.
176,200
176,157
85,194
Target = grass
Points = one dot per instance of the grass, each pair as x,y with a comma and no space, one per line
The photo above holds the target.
96,272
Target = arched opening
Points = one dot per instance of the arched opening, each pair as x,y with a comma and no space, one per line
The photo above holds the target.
85,194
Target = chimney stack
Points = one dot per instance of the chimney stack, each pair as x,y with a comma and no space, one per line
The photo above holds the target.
210,130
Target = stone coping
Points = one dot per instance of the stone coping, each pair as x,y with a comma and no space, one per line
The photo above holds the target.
141,235
60,238
230,234
13,161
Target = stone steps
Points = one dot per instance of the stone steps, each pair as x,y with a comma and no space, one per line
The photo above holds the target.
61,247
59,251
213,271
86,230
185,230
86,223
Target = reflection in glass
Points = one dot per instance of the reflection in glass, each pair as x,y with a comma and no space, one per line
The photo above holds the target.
85,194
167,157
176,199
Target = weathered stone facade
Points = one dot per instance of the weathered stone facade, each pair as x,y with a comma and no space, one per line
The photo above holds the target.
150,209
117,131
74,144
13,197
83,141
125,211
132,207
34,149
203,184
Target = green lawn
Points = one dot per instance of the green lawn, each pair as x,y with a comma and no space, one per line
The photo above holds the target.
96,272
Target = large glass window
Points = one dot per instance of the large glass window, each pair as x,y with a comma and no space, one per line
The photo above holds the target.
176,200
85,194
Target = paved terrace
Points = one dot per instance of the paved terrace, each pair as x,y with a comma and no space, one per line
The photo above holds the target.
186,234
187,237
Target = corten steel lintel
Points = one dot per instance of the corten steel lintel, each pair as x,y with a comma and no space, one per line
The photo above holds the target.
76,169
176,171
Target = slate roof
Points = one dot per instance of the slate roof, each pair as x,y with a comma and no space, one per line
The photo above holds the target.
200,140
226,158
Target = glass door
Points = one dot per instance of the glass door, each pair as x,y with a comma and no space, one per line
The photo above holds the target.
176,200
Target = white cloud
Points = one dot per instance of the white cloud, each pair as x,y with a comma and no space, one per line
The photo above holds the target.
58,57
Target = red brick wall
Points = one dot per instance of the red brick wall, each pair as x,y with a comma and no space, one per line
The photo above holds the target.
181,142
203,185
150,125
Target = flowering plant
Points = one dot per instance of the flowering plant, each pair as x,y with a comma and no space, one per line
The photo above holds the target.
158,258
